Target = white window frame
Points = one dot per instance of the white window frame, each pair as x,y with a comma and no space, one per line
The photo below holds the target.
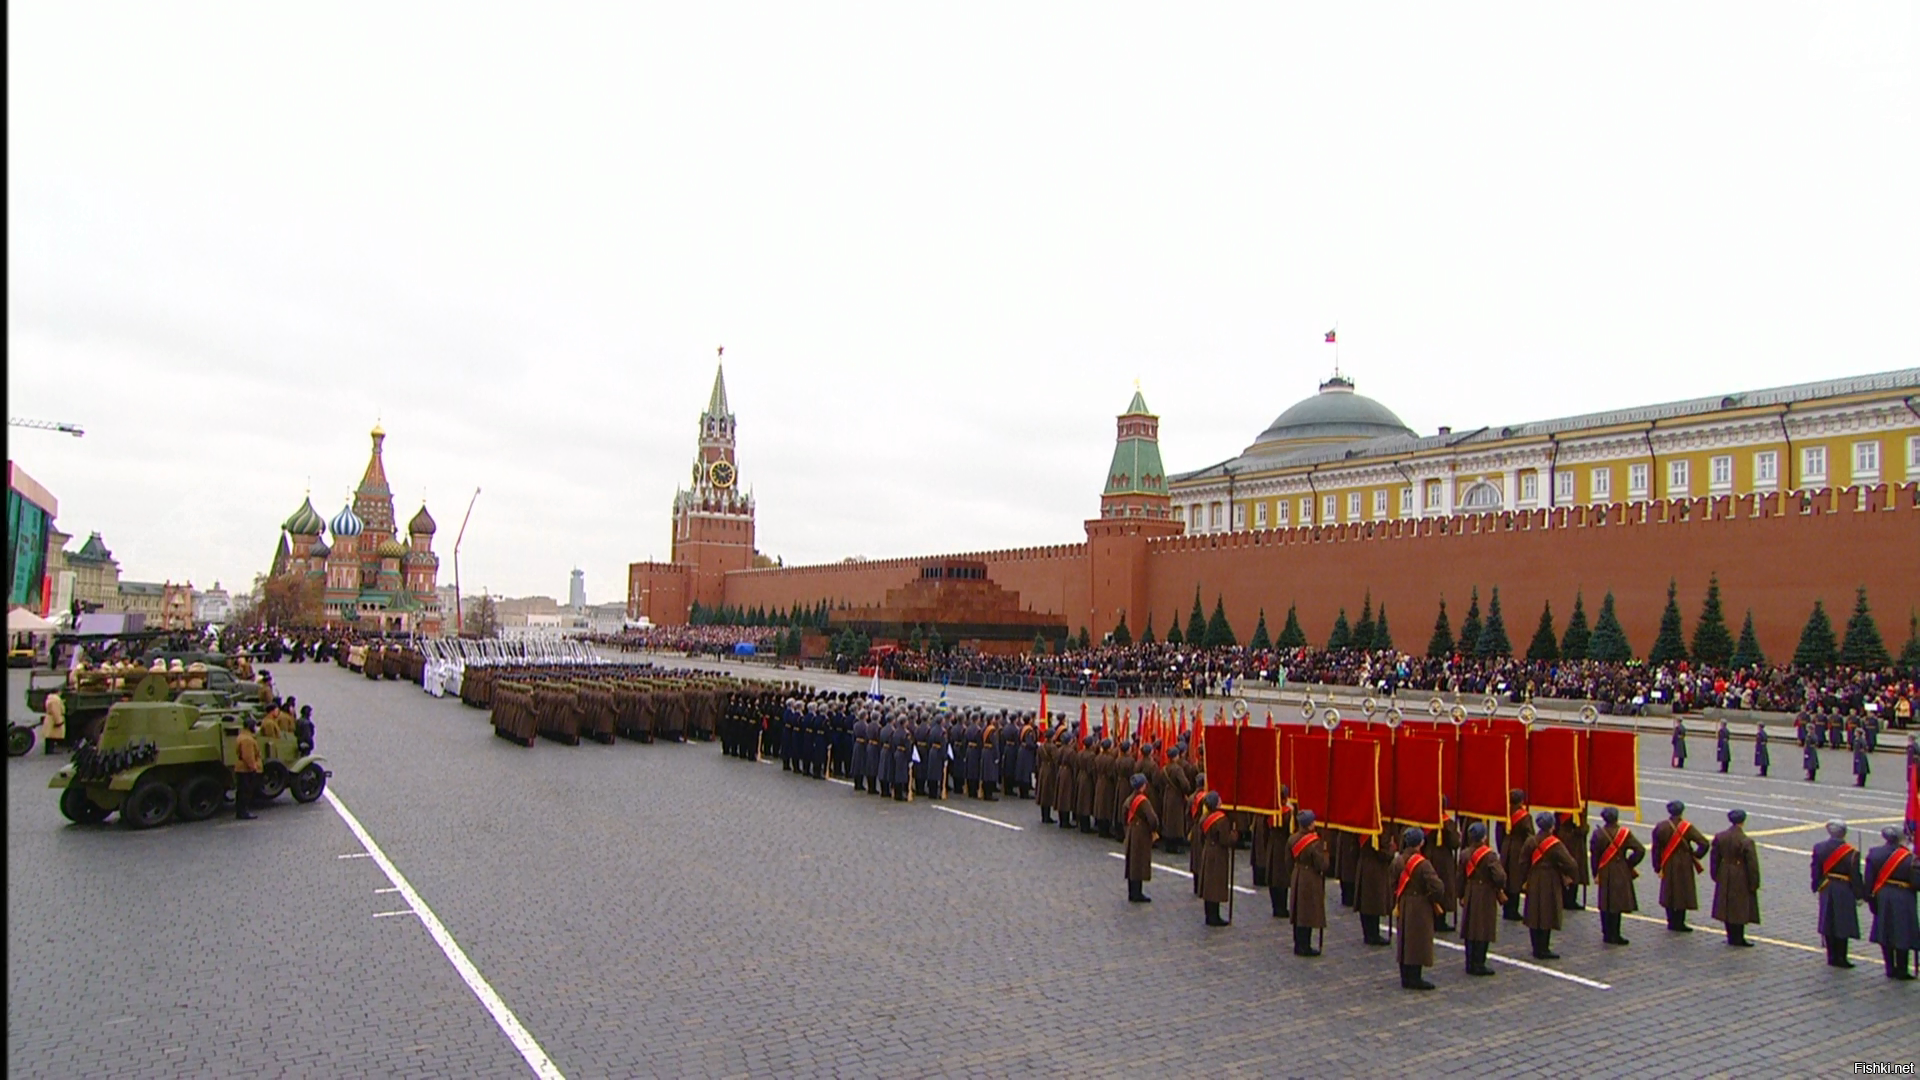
1306,510
1563,486
1406,501
1434,492
1380,503
1283,512
1216,517
1637,479
1353,506
1766,469
1330,508
1239,515
1813,464
1259,515
1679,477
1866,460
1529,487
1600,484
1913,456
1720,472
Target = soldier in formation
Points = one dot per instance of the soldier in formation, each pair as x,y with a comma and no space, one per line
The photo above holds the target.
1735,866
1677,850
1840,887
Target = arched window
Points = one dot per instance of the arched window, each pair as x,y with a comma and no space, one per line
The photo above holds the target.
1480,497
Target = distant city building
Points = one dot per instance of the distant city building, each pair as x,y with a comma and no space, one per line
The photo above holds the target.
538,611
577,591
96,575
30,551
212,606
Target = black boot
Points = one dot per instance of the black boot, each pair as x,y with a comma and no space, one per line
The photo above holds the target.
1303,942
1737,935
1677,921
1543,945
1510,911
1837,953
1477,958
1213,915
1046,816
1259,877
1346,894
1066,820
1410,978
1137,893
1370,928
1086,824
1570,898
1278,894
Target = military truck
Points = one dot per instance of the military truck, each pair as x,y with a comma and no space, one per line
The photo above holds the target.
99,690
169,755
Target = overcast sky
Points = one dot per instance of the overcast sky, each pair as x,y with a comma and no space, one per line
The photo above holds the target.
939,242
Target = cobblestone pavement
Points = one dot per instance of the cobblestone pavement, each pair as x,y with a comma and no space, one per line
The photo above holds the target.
663,910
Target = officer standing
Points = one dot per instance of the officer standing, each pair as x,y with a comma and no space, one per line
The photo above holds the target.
1677,849
1860,765
1416,898
860,751
1679,744
1216,872
1735,867
1143,824
246,769
1893,878
1616,857
303,730
1510,837
1549,868
1723,746
1838,884
1373,887
1761,758
1483,886
1308,854
1810,760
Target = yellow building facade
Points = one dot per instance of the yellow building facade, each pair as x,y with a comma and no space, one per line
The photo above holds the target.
1339,457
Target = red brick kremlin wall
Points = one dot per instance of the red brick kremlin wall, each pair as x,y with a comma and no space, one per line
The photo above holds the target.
1774,554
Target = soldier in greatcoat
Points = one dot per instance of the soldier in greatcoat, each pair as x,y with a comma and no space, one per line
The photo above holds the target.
1735,865
1217,838
1893,880
1307,851
1723,746
1677,850
1416,897
1549,867
1173,800
1616,855
1373,887
1511,836
1045,750
1762,758
1142,824
1838,884
1483,890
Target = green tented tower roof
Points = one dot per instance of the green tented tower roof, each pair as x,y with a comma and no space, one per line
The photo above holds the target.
1136,468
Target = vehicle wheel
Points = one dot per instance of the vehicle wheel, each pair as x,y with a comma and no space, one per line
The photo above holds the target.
19,740
151,803
308,783
79,809
272,782
200,797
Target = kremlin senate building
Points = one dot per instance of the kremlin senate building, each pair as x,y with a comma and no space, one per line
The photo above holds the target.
1786,496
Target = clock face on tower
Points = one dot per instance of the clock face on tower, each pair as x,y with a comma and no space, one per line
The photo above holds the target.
721,473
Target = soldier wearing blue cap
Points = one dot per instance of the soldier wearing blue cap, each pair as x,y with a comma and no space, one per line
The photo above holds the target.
1616,857
1860,765
1810,760
1679,744
1549,867
1483,888
1838,883
1307,853
1762,759
1416,899
1893,878
1677,850
1142,825
1735,866
1723,746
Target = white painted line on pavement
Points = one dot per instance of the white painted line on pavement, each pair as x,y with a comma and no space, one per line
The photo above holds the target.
1182,873
386,890
1524,966
355,855
510,1025
1750,937
977,817
391,914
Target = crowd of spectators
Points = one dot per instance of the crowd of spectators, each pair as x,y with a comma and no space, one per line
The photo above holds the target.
692,640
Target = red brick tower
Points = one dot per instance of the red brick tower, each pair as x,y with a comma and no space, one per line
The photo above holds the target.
1134,508
712,527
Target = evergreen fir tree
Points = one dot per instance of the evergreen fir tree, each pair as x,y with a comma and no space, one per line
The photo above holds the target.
1039,644
1863,647
1219,633
1712,644
1146,636
1086,639
1470,626
1747,654
1342,633
1291,636
1261,642
1174,636
1910,655
1493,637
1544,646
1197,622
1122,635
1573,643
1670,644
1609,640
1363,630
1382,637
1816,647
1440,645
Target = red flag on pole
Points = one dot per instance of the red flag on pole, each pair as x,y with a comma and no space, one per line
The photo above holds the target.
1043,702
1081,736
1913,798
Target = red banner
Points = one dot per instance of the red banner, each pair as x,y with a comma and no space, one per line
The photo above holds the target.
1613,768
1308,768
1484,779
1416,782
1222,746
1449,739
1258,769
1353,803
1553,779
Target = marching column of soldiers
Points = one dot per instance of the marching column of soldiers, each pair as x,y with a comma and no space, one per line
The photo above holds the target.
1534,867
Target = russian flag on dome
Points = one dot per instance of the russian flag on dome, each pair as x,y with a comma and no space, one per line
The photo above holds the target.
1330,337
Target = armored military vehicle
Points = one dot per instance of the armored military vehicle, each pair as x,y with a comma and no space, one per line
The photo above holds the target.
167,755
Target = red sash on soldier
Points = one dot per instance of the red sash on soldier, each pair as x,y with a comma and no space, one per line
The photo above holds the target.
1193,805
1211,818
1674,843
1406,875
1473,863
1833,860
1894,862
1133,806
1519,816
1302,842
1547,843
1619,838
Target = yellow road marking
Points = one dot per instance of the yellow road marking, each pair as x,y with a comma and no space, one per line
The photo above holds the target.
1821,825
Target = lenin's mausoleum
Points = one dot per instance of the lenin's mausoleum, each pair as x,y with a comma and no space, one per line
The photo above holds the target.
1787,495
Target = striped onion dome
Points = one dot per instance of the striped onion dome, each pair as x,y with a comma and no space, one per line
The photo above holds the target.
346,523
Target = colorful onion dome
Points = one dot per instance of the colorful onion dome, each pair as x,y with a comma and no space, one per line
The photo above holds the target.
346,523
305,521
391,549
422,523
319,550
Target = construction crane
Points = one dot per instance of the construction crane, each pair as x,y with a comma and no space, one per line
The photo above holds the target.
45,425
